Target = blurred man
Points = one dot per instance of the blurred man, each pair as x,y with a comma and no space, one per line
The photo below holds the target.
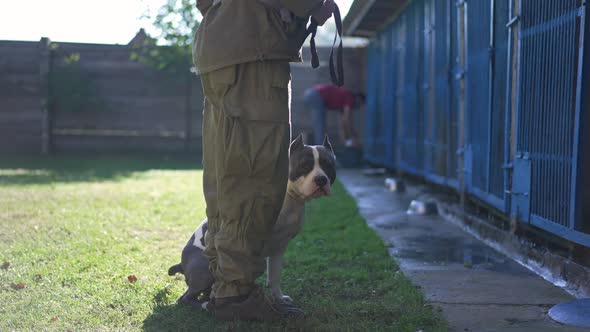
322,97
242,51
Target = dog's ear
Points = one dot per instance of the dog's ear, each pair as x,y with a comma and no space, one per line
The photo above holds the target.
327,144
296,144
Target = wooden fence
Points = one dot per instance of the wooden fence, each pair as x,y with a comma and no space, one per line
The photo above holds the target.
70,97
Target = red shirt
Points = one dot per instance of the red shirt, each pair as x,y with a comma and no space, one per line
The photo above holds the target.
335,97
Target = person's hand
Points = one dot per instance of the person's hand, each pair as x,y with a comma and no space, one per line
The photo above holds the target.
204,5
322,14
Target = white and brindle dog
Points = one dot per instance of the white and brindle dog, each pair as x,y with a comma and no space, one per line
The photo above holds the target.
312,171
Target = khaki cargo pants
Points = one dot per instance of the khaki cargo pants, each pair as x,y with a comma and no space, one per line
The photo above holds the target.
246,135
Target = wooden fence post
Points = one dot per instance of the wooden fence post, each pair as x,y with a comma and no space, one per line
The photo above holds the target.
44,68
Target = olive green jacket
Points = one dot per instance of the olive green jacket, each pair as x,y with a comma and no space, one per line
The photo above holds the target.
240,31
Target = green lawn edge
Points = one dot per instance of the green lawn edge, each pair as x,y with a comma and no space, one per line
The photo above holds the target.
73,229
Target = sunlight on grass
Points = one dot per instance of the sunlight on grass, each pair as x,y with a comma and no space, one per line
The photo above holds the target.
22,171
73,235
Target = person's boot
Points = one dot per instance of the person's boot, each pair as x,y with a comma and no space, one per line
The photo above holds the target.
256,306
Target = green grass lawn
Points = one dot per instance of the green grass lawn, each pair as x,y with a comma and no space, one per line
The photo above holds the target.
74,229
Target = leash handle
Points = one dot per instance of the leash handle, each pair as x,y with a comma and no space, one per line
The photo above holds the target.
337,78
336,74
313,29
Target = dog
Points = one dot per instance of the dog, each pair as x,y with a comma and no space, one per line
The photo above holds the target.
312,171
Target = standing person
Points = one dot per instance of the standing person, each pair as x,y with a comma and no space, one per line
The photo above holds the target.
328,96
242,50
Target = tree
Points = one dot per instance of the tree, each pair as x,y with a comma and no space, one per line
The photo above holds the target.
175,22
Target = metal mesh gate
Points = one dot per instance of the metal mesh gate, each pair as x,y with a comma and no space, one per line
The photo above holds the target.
548,115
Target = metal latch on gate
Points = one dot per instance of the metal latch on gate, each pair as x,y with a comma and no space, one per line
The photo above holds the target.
460,74
513,21
509,192
507,166
521,185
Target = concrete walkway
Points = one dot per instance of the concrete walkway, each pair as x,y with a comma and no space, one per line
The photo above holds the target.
477,288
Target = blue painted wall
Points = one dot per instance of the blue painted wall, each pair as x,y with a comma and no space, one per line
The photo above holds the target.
482,98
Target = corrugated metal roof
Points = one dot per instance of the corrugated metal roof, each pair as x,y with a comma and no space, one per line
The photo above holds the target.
366,17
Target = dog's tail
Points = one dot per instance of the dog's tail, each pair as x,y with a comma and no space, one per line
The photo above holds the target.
174,269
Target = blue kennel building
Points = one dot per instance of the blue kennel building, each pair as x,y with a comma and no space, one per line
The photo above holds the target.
487,97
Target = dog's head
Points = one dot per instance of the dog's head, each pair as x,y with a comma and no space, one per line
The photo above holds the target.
312,169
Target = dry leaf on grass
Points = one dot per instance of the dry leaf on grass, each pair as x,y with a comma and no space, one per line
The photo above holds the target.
18,286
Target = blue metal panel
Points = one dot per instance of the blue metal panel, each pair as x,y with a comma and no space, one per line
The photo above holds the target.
455,95
548,111
373,91
485,99
418,158
438,118
414,97
508,111
379,134
390,72
580,187
397,76
411,128
498,99
478,91
402,54
384,105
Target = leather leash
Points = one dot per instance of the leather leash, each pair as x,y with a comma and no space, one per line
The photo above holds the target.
336,69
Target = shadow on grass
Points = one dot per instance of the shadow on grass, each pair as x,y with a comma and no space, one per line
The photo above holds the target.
26,170
177,317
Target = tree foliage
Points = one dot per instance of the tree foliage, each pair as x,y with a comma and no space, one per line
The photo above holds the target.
72,89
175,23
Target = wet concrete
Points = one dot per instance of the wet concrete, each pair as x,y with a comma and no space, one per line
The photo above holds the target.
477,288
